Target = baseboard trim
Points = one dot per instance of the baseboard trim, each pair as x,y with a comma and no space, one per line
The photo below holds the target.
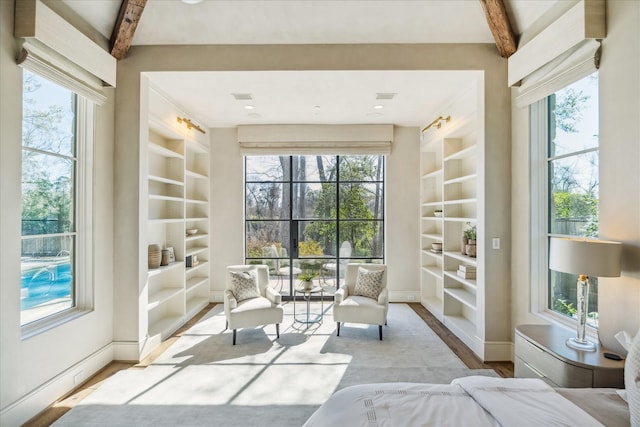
39,399
404,296
498,351
126,351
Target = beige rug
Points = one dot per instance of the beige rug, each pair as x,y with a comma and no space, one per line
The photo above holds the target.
203,380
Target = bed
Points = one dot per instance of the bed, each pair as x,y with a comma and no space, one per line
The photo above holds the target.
484,401
471,401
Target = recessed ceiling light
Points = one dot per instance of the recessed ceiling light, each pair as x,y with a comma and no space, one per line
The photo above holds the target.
249,107
191,1
378,107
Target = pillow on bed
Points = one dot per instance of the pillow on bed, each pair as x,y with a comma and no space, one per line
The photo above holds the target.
244,285
632,380
368,283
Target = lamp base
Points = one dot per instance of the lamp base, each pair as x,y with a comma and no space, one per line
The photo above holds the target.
581,345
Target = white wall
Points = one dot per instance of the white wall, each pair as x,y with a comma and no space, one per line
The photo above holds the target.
37,370
619,298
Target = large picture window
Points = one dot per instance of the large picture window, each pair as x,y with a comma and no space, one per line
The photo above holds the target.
53,166
313,214
568,123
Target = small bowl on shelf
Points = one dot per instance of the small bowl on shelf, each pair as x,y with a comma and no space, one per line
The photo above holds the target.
191,231
437,214
436,246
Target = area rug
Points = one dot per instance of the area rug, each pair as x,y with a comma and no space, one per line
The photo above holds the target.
262,381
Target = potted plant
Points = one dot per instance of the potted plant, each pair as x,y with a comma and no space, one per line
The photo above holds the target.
469,239
306,280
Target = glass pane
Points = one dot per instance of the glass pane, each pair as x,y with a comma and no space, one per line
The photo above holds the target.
562,296
314,200
314,168
265,236
573,200
46,277
361,168
267,168
47,194
573,117
317,239
267,201
361,201
48,121
365,236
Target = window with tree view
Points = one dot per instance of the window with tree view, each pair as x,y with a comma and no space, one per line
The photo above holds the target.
49,170
572,182
313,214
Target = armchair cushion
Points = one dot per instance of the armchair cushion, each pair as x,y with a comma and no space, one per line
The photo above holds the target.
244,285
369,283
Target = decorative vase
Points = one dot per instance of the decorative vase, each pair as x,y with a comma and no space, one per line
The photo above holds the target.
470,248
165,257
154,256
307,285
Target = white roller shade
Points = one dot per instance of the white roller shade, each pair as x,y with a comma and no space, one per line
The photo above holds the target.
315,139
573,65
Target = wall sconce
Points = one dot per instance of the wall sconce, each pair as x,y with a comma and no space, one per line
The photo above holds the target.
437,123
190,124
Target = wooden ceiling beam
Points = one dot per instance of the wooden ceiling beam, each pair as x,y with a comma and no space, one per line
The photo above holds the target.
125,27
500,26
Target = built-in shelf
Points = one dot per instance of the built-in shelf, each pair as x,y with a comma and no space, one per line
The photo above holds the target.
464,153
460,201
467,298
464,258
434,271
461,179
165,180
177,199
161,296
433,174
196,175
164,152
433,236
454,276
165,268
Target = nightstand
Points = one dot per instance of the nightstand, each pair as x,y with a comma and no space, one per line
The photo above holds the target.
541,352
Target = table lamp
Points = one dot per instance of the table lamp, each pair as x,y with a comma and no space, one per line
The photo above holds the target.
584,257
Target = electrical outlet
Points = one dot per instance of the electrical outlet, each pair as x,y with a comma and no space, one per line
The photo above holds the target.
78,377
495,243
411,297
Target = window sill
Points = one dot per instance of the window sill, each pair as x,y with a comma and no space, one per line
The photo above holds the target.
43,325
591,333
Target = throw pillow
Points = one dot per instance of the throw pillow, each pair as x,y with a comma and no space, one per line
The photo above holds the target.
244,285
368,283
632,380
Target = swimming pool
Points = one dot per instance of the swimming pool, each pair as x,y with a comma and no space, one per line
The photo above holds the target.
44,282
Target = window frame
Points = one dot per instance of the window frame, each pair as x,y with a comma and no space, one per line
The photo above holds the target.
540,232
83,292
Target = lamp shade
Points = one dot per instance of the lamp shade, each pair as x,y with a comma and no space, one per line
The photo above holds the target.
591,257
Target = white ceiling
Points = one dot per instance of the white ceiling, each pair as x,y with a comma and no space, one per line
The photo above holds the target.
290,97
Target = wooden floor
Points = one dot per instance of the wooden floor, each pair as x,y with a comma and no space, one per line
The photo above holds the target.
55,411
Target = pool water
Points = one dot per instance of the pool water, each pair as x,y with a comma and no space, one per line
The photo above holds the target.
45,284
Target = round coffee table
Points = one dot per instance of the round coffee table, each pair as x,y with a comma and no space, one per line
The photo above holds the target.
308,317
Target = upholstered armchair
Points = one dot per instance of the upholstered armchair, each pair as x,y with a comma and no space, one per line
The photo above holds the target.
363,298
248,299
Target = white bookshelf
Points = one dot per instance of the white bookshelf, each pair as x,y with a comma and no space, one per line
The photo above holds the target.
454,169
177,176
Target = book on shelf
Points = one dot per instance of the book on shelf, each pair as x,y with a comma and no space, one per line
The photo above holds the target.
467,268
436,251
466,274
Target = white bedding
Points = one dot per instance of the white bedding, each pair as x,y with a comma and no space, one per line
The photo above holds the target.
469,401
